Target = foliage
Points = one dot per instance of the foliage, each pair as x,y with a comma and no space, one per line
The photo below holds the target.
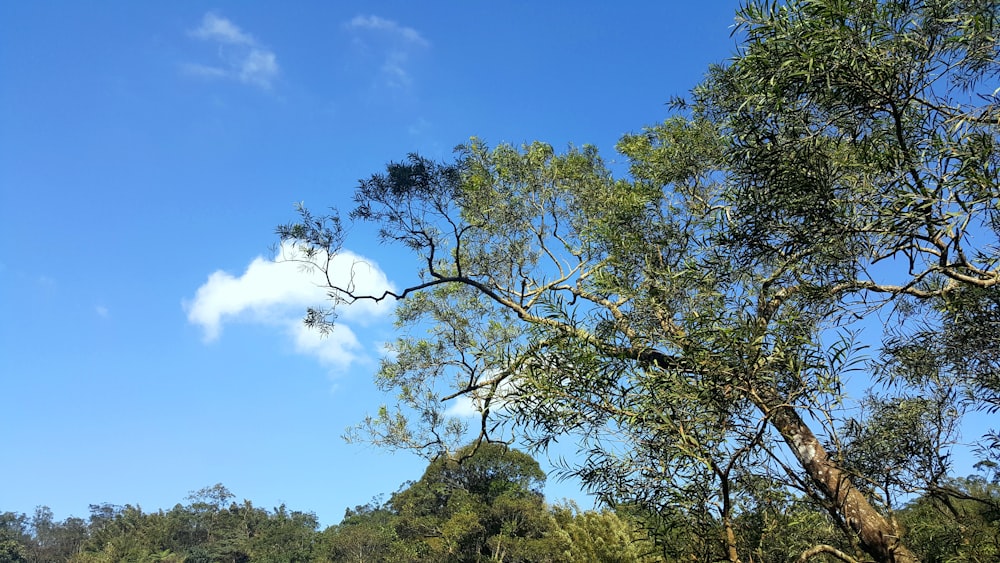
423,522
695,324
958,524
14,537
367,533
204,530
485,503
603,536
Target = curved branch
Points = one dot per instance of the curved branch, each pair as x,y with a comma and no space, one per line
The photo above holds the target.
828,549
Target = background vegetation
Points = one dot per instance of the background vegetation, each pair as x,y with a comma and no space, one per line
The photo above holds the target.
487,508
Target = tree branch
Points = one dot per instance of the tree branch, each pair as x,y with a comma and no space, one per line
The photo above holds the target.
828,549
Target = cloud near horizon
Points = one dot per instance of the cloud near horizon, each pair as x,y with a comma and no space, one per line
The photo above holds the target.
239,56
277,293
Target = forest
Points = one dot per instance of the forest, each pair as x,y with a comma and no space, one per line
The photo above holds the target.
489,507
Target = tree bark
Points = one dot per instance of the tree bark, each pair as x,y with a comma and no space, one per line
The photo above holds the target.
876,535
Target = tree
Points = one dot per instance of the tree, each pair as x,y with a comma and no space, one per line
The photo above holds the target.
603,536
15,538
367,534
695,324
483,503
52,540
204,530
960,527
280,536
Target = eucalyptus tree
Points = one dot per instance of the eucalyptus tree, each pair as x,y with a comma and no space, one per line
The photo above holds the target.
694,323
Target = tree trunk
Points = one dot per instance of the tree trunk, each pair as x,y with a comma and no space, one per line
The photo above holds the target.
734,556
876,535
727,514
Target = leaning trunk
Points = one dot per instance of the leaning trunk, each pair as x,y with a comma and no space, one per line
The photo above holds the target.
876,535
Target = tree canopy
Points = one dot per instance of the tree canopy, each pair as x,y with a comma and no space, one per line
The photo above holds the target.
437,518
487,507
818,217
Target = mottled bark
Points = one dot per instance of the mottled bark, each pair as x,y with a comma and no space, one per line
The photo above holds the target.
876,535
734,556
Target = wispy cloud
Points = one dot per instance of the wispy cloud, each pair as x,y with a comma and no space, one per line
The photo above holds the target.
215,28
396,44
276,293
239,55
407,34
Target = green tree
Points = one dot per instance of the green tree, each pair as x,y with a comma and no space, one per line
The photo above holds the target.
15,538
127,533
780,527
204,530
690,323
959,524
280,536
367,534
483,504
603,536
52,540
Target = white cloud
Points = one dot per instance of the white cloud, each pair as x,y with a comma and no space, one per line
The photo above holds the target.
338,348
277,293
470,405
395,43
239,56
407,34
259,67
102,311
463,406
215,28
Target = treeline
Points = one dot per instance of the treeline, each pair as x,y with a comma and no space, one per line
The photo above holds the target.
488,507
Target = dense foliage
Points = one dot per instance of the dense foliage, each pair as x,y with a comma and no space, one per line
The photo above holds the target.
486,507
440,518
211,527
793,293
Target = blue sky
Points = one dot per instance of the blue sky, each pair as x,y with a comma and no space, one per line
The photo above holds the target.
148,150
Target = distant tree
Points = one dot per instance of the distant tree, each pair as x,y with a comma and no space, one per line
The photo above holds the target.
207,510
777,526
958,524
121,533
206,530
483,503
15,537
12,552
283,536
52,540
603,536
367,534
